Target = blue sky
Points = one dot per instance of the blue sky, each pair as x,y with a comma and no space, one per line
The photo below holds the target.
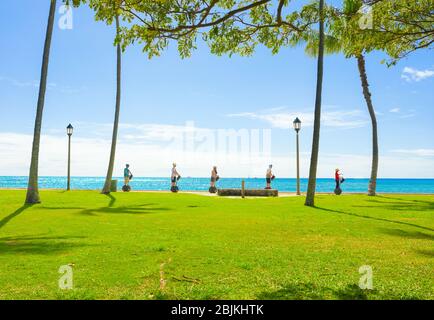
261,94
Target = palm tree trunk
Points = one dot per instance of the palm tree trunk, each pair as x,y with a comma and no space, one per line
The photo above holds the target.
32,187
374,167
310,197
106,189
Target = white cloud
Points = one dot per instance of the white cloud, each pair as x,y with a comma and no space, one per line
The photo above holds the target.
19,83
406,116
282,118
144,133
416,152
410,74
410,113
35,84
152,158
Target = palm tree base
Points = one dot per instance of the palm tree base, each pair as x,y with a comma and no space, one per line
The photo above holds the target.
309,203
32,199
372,188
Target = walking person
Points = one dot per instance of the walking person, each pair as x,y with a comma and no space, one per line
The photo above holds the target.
174,178
269,176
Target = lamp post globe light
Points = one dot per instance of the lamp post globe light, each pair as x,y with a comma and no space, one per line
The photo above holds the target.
297,126
69,131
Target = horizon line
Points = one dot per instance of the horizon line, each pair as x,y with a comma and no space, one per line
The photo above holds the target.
206,177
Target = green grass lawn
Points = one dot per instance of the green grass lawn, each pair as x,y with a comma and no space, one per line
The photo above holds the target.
215,248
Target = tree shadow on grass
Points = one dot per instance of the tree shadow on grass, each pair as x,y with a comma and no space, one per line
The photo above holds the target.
38,244
412,235
137,209
145,208
375,218
14,214
427,202
408,234
310,291
29,238
112,199
428,253
400,205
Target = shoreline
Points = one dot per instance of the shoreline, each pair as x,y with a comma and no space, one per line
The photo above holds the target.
192,177
201,185
206,193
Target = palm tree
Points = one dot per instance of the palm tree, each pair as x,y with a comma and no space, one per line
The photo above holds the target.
310,197
107,184
336,44
32,187
367,94
352,41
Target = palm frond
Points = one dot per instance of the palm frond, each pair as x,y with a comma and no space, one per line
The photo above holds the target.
332,45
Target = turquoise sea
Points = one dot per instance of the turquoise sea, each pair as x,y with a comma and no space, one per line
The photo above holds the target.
201,184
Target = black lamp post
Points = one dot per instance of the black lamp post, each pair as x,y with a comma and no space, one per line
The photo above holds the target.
297,127
69,131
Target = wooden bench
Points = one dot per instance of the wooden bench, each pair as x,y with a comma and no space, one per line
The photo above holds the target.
248,192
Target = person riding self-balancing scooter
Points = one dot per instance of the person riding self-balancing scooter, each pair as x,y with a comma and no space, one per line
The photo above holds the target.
269,176
214,178
339,179
128,176
174,179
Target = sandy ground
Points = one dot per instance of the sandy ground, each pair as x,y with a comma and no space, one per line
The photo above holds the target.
207,194
200,193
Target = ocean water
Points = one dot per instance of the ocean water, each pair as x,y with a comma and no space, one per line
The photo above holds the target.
202,184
